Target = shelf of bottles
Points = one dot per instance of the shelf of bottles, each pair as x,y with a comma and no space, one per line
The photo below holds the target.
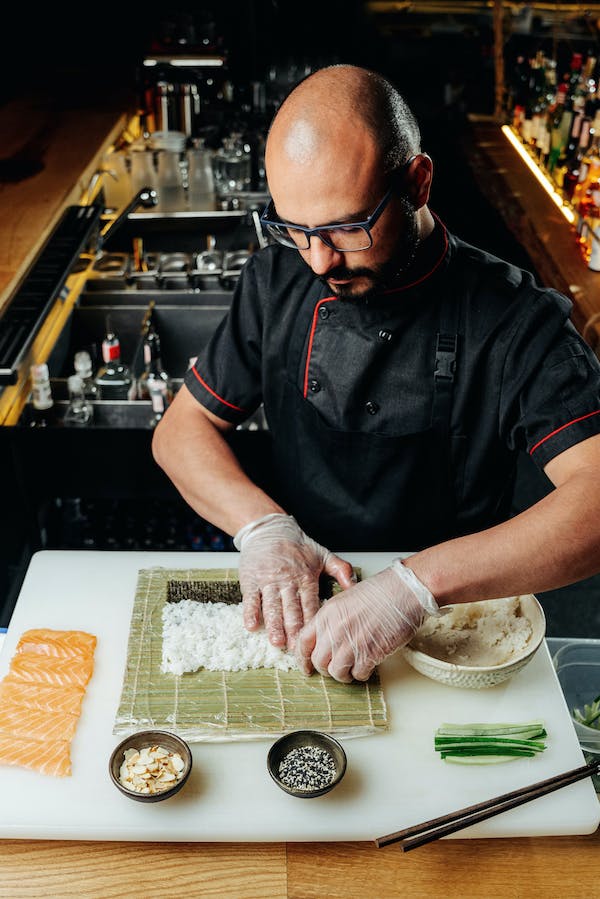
555,118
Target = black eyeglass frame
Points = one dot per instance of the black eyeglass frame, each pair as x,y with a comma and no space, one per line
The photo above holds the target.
365,225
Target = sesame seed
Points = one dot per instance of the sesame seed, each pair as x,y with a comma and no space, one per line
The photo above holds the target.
307,768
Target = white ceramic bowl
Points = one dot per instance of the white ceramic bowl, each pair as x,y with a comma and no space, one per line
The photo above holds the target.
480,676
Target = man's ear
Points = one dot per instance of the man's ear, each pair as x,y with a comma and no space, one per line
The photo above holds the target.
418,180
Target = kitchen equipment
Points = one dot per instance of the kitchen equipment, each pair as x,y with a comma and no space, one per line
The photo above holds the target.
419,834
174,269
393,779
306,742
144,739
578,669
481,676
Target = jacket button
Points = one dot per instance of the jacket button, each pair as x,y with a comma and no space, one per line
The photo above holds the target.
371,407
314,386
384,334
324,312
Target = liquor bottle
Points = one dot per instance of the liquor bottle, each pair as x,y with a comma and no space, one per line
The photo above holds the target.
80,411
114,377
588,213
573,173
153,367
44,411
577,90
159,396
574,135
83,367
594,242
535,112
556,126
589,168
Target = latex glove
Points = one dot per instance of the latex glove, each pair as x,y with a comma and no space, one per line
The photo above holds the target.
355,630
279,576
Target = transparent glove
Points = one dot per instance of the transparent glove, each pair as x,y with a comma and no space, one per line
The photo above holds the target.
279,576
354,631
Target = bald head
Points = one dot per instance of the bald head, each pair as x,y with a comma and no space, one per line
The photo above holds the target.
340,105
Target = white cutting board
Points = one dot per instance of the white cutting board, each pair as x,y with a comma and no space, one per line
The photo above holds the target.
392,780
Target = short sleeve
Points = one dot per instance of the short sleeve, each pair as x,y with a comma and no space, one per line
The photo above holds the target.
226,377
550,396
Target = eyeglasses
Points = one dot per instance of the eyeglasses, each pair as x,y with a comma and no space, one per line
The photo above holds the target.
344,237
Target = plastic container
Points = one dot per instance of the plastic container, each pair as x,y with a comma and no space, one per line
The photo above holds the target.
578,669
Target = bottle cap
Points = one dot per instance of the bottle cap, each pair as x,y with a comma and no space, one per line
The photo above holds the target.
74,383
83,362
39,372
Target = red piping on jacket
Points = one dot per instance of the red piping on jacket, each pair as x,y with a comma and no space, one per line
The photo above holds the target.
216,395
436,265
310,341
386,292
562,427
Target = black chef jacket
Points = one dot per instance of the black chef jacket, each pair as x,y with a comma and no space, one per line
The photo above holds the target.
396,420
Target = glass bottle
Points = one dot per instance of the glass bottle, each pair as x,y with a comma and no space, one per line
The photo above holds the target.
556,127
169,181
80,411
83,368
159,396
114,377
573,174
43,411
201,182
153,368
143,171
232,165
594,241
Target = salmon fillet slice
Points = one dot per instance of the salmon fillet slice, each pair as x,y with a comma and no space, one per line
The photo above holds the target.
62,644
47,756
34,667
46,697
35,724
41,696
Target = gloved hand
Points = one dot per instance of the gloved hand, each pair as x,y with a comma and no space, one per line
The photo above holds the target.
279,575
355,630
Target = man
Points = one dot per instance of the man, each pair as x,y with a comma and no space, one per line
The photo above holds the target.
401,372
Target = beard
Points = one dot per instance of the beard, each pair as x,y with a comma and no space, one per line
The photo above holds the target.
384,275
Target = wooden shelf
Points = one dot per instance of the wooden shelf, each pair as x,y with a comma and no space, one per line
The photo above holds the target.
536,222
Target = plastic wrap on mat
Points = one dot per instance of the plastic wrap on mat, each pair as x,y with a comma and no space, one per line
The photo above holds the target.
228,705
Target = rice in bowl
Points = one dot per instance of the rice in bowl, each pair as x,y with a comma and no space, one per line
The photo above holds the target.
479,644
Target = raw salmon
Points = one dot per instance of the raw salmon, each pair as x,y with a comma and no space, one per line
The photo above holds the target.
34,667
45,697
48,756
41,696
63,644
36,724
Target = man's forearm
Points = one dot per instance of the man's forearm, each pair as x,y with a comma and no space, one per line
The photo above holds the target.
199,461
553,543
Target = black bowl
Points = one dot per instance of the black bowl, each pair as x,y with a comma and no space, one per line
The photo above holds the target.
301,739
141,740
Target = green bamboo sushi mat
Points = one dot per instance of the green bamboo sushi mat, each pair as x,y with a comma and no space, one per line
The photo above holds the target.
229,705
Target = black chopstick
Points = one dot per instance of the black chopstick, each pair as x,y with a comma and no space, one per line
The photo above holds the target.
473,814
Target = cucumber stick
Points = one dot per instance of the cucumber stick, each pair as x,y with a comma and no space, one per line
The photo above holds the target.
487,743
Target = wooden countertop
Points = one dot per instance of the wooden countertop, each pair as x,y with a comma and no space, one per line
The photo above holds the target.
532,868
49,154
